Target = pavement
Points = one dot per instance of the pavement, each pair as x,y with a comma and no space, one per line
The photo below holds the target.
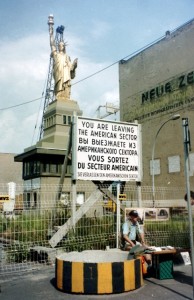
40,285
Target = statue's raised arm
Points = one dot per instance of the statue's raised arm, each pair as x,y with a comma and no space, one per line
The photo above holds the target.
51,34
63,69
52,40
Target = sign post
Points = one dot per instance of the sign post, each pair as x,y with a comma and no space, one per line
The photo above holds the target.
118,216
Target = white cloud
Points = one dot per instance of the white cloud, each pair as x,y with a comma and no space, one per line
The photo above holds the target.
16,133
24,65
100,29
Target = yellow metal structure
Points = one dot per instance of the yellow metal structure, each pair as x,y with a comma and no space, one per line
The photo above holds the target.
122,197
110,205
4,198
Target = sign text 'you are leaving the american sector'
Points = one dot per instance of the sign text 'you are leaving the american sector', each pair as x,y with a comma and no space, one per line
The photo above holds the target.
105,150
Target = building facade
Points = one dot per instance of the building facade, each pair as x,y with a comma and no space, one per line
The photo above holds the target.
155,84
43,162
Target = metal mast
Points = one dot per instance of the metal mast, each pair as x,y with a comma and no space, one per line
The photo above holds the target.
49,92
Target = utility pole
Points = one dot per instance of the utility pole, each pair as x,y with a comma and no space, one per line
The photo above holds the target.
187,148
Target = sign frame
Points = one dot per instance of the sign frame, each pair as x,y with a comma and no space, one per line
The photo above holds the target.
106,150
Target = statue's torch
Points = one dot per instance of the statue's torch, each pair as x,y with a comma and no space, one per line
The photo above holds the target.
50,20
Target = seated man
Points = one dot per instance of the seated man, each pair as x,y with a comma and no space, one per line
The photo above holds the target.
133,232
191,197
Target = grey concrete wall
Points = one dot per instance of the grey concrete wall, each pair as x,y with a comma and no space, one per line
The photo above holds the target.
10,171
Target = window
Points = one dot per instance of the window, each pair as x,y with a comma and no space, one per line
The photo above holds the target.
58,168
27,169
38,167
28,200
35,200
35,167
45,168
31,168
64,119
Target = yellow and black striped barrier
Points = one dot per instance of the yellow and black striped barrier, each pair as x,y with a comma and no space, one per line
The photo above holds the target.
98,278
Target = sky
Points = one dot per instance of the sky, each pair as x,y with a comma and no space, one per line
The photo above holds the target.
97,32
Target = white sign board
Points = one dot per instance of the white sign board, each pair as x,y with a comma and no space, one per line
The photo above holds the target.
106,150
186,258
174,164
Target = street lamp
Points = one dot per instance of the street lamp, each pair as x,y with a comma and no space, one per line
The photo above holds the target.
172,118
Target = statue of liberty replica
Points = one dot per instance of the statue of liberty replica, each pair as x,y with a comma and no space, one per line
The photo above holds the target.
63,68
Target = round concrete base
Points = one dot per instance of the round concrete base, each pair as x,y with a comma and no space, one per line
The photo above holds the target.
98,272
